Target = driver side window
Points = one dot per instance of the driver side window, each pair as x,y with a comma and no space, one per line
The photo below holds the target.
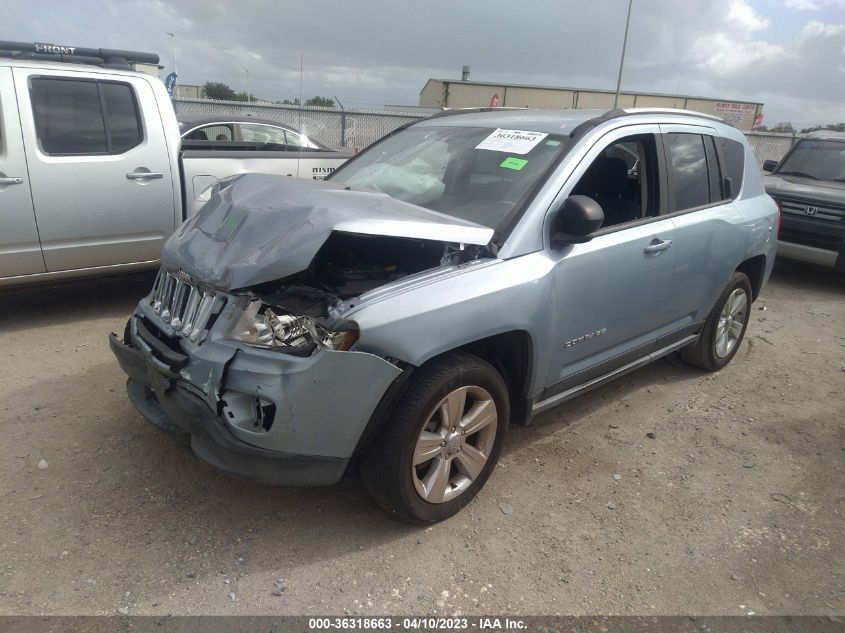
623,180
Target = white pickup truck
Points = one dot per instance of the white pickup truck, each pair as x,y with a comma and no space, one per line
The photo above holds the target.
93,175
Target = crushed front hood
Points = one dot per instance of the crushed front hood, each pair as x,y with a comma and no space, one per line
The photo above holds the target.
258,228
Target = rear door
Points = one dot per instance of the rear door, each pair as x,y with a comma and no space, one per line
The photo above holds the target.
20,249
99,167
707,243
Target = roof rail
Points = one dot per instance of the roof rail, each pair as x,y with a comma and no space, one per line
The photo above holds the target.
105,57
620,112
703,115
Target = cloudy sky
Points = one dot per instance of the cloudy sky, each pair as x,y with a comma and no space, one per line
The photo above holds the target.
788,54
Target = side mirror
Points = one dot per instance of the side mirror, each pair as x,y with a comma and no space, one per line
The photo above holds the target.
770,165
578,218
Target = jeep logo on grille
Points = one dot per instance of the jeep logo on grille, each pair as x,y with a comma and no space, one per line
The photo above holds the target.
811,210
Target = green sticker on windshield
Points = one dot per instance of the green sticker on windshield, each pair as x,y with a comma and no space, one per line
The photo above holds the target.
513,163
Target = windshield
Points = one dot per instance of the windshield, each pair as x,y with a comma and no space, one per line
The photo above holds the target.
822,160
473,173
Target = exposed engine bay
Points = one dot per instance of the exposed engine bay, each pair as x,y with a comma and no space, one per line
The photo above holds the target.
295,314
349,265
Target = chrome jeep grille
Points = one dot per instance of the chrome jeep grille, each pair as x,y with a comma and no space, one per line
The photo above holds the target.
183,306
821,211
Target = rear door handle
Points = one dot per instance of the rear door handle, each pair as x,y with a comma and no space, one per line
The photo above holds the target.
11,180
658,245
144,175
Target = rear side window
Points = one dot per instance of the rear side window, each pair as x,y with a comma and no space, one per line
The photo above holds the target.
689,182
83,117
733,154
263,134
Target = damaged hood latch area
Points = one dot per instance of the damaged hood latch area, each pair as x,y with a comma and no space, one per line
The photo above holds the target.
258,228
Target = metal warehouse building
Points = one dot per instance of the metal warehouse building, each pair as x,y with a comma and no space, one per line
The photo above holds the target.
447,93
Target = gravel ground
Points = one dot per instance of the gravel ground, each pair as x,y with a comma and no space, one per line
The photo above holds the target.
671,491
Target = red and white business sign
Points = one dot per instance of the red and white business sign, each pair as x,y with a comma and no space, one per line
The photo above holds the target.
734,112
736,108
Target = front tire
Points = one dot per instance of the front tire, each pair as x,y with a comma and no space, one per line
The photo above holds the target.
442,441
724,328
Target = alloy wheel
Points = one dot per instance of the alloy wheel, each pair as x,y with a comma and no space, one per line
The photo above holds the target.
454,444
731,322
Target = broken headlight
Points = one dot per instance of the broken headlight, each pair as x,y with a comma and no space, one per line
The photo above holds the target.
264,326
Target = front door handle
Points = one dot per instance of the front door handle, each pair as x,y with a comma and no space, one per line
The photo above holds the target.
658,245
11,180
144,175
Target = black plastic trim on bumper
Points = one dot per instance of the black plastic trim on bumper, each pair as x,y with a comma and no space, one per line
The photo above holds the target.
163,352
168,404
834,232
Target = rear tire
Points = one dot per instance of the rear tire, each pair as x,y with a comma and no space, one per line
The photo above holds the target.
724,328
442,440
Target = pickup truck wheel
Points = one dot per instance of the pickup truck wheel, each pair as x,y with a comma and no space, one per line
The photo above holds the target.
724,328
442,442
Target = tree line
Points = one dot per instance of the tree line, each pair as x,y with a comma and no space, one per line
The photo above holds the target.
788,128
219,91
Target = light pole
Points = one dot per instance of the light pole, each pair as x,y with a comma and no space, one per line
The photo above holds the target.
173,42
622,61
248,95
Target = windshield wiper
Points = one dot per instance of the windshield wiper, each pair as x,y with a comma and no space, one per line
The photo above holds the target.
796,173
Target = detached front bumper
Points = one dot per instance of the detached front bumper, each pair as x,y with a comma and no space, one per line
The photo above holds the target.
254,413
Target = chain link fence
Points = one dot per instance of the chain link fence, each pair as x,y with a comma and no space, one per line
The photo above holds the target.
771,145
355,129
335,127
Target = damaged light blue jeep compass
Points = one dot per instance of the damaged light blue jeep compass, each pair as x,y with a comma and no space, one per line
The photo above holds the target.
465,272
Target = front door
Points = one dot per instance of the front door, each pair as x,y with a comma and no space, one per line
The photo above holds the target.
611,292
99,167
20,250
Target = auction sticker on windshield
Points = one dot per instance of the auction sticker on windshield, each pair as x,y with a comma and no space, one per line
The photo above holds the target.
512,141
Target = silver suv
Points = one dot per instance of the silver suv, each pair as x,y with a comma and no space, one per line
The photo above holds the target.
465,272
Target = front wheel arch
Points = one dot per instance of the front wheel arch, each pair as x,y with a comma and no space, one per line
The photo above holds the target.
511,352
